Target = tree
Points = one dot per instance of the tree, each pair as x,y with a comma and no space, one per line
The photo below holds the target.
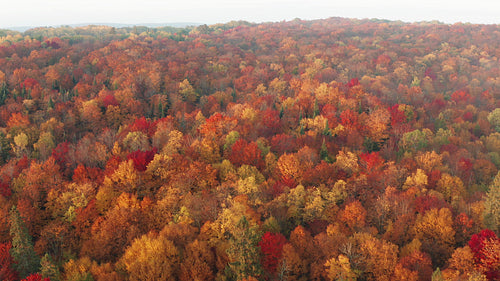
49,269
7,272
151,257
187,92
271,246
486,249
435,230
141,159
340,269
354,215
492,205
35,277
22,250
243,251
198,263
379,257
494,119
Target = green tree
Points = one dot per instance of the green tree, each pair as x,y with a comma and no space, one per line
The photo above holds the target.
494,119
492,205
49,269
244,251
22,250
5,148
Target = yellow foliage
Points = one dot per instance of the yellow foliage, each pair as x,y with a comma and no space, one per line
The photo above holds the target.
288,166
429,160
418,179
347,161
340,269
124,178
151,258
462,260
377,124
451,187
136,141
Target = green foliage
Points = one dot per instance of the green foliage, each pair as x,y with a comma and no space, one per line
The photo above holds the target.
49,269
243,252
22,251
492,205
494,119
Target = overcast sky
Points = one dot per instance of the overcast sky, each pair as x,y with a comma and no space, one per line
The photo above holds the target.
57,12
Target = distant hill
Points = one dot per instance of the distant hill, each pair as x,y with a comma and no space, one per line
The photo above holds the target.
117,25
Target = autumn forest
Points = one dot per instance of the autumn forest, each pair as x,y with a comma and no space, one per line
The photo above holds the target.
334,149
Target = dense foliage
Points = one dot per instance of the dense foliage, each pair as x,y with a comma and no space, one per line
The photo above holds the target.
306,150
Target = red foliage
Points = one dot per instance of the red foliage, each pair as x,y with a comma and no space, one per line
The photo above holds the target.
110,100
35,277
419,262
5,189
468,116
432,178
463,223
85,218
426,202
477,245
141,159
465,168
271,121
353,82
430,73
54,43
29,83
271,246
84,174
243,152
461,96
6,261
22,164
283,143
349,119
143,125
112,165
397,116
370,161
288,181
60,155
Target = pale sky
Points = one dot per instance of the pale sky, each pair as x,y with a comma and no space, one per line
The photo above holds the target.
15,13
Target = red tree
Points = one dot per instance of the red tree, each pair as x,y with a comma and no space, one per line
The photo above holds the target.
6,261
271,246
243,153
35,277
484,254
141,159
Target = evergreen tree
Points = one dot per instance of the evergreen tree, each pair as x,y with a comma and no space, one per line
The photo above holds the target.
49,269
51,103
5,148
22,250
244,251
3,93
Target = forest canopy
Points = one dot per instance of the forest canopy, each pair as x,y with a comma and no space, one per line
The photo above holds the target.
333,149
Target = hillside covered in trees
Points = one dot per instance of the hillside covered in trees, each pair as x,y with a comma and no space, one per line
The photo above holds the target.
305,150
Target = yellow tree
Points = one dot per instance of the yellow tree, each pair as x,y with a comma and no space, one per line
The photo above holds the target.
492,205
435,229
187,91
151,257
451,187
418,180
199,262
340,269
379,257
